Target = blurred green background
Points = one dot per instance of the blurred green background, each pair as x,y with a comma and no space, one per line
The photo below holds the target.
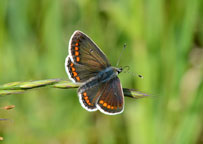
164,44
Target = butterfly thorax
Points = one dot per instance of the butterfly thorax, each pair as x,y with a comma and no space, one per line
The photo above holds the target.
102,77
108,74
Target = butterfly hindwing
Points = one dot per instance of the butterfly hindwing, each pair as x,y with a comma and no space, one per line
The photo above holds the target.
111,101
107,97
89,96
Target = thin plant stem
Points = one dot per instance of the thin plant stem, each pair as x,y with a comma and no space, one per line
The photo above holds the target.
20,87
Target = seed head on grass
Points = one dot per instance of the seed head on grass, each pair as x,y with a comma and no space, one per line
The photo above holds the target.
20,87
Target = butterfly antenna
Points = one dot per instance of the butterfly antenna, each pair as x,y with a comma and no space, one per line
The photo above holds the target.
126,69
140,76
124,46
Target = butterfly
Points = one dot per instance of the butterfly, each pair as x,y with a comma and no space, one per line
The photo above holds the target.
100,88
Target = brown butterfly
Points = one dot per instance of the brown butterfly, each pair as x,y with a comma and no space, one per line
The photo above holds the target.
87,65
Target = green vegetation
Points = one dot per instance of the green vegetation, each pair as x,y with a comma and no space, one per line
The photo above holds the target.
164,44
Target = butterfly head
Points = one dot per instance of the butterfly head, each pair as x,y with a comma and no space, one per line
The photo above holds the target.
125,69
119,70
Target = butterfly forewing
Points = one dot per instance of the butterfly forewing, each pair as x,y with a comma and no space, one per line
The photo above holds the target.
85,59
84,51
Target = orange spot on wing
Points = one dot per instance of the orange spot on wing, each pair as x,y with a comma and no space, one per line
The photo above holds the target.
76,53
85,94
87,101
76,44
75,74
108,106
105,104
101,101
76,48
112,107
73,69
71,64
77,59
86,98
78,78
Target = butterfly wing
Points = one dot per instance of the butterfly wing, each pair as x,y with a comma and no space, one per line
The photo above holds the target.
86,57
107,97
84,51
111,101
88,96
78,73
